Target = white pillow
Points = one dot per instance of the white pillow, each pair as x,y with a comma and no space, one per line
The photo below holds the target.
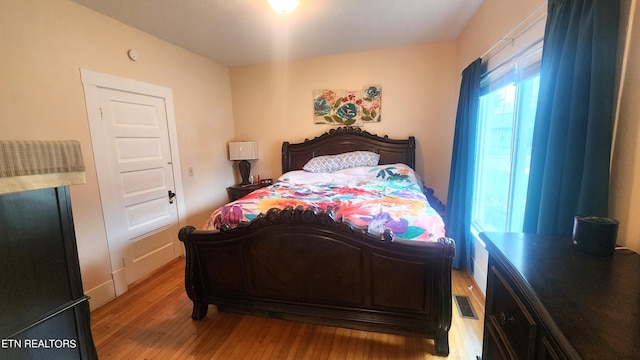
331,163
299,177
352,175
344,177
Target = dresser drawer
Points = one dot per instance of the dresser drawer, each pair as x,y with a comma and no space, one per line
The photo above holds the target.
510,318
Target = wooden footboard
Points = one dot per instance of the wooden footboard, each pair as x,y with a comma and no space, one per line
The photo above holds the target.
301,264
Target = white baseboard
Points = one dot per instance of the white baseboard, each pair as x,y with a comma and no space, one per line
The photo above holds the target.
120,283
101,294
109,290
480,263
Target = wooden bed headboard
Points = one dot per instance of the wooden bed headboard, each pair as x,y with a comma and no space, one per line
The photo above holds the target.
346,139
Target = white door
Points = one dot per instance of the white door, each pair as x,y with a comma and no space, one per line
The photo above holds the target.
135,166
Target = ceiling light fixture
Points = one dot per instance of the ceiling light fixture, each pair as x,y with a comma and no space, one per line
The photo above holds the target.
284,6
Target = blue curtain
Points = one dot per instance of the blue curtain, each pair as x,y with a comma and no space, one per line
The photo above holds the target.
569,173
458,213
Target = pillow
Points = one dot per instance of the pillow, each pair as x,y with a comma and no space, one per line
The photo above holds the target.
298,177
359,158
345,177
323,164
331,163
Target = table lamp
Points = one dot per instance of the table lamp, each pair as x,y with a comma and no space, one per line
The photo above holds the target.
243,151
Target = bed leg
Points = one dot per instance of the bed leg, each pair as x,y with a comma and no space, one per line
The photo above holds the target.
199,310
442,343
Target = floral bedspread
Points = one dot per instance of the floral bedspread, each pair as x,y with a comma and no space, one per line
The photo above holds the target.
378,198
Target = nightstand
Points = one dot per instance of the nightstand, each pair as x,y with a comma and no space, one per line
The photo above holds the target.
235,192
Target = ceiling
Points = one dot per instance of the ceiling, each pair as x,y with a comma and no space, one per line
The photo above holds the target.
244,32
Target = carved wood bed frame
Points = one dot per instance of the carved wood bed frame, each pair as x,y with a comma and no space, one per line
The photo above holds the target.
304,265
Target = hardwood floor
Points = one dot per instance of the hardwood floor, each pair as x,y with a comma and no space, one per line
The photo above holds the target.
153,321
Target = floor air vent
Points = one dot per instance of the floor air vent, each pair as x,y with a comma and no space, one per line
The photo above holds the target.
465,309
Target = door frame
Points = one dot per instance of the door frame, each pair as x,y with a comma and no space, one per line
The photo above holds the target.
92,81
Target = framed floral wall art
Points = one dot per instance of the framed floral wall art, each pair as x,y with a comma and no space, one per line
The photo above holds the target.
342,107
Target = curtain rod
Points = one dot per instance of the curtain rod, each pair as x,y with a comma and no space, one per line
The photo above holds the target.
509,37
517,55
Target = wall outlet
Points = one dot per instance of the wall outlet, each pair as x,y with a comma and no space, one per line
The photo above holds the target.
190,171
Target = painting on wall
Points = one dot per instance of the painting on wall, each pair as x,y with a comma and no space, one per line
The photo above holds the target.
343,107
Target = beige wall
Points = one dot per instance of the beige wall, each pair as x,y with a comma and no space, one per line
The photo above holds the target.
493,20
624,203
274,103
45,43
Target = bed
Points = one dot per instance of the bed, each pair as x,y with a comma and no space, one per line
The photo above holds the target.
321,264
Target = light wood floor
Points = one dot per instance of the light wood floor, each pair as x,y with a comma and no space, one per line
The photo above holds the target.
153,321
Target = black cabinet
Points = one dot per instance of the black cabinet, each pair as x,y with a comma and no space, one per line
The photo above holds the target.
44,313
237,191
548,300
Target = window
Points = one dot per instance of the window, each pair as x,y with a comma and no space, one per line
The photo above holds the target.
506,117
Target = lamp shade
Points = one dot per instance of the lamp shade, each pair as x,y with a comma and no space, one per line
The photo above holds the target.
38,164
245,150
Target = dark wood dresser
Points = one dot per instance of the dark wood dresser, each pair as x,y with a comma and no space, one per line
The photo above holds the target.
235,192
44,313
548,300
